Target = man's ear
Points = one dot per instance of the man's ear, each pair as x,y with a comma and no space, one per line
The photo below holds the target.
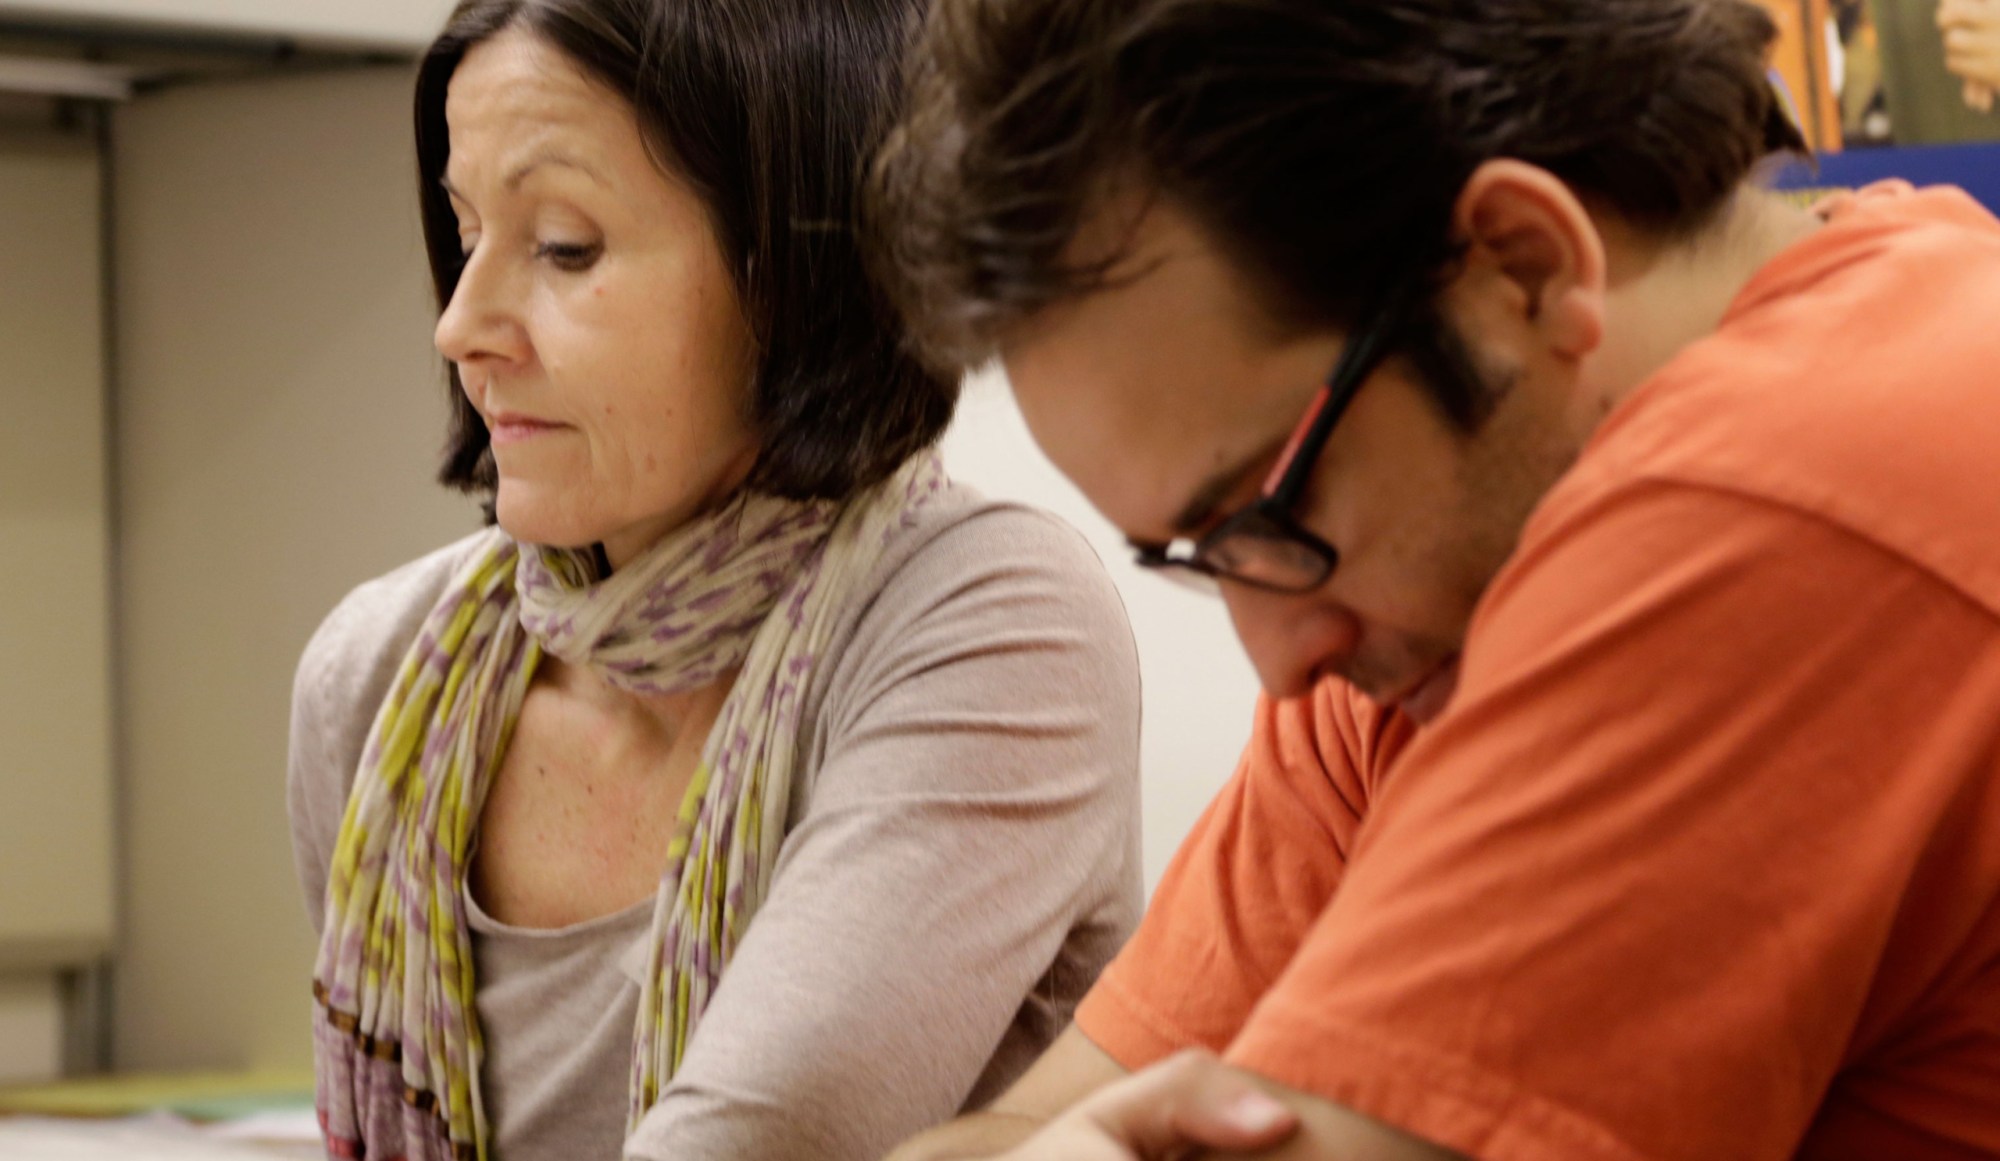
1531,244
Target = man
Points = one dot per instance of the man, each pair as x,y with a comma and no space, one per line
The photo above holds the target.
1627,596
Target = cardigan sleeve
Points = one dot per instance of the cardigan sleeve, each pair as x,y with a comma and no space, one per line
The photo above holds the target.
967,860
343,675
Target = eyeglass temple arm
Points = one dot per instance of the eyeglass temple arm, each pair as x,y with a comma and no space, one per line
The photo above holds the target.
1288,476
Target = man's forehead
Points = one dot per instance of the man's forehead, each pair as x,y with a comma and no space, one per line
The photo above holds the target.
1143,390
1119,241
1129,471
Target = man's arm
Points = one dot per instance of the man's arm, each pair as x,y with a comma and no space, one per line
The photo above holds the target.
1331,1132
1193,1101
1072,1069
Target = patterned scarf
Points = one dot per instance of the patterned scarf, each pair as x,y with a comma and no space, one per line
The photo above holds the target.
757,587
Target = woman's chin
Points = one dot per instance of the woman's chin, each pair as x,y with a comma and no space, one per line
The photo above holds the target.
532,519
531,522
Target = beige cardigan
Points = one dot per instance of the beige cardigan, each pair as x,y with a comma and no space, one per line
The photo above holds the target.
966,863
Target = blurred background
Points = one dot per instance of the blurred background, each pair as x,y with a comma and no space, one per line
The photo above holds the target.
1870,74
219,411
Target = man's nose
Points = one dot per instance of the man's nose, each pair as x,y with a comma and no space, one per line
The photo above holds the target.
1291,639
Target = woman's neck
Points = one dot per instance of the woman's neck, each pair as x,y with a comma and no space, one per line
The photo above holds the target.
662,717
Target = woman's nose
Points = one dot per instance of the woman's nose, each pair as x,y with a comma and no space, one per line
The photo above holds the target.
478,323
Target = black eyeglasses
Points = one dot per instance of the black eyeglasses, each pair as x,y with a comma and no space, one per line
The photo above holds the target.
1263,545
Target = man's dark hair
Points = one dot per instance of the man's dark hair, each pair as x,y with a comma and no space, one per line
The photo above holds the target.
770,110
1323,143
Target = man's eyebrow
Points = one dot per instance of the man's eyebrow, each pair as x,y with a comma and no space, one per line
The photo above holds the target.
1201,509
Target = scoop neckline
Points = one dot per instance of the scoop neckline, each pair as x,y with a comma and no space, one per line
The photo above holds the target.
486,924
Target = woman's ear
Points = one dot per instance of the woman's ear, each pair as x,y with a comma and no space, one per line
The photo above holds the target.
1534,252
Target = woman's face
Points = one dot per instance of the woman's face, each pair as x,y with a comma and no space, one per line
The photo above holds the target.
595,326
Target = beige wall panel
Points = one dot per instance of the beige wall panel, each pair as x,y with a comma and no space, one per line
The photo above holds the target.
55,735
280,412
30,1028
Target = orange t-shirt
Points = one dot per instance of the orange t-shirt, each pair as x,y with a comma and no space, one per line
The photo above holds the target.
1704,860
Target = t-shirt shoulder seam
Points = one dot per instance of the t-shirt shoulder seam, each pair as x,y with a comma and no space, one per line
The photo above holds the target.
1744,493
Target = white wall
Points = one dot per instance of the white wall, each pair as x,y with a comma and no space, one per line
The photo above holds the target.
280,409
55,736
384,23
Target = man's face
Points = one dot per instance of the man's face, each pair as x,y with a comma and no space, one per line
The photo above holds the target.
1168,397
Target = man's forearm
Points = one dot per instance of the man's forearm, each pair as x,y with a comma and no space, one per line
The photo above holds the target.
969,1138
1071,1070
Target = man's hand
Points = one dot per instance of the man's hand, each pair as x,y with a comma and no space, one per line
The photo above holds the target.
1069,1072
1196,1108
1077,1104
1972,47
1187,1103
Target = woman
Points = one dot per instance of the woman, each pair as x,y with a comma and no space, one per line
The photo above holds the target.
749,791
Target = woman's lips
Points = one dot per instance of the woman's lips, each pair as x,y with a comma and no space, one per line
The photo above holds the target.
509,429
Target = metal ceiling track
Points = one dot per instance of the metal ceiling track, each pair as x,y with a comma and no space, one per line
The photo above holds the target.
112,63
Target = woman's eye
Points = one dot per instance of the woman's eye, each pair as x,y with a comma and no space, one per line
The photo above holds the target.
570,256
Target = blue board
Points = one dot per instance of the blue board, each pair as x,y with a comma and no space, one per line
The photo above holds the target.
1973,168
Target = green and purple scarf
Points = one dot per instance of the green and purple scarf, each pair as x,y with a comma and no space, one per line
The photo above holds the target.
756,588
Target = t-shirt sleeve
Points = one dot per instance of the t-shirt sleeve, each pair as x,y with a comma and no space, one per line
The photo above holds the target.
1626,899
968,858
1248,882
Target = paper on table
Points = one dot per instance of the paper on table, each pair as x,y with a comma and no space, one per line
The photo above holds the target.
275,1126
137,1139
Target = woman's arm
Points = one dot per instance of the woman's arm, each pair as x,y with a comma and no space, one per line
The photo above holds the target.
976,804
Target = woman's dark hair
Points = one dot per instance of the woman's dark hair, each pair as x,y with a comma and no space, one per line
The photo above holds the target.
1322,144
770,111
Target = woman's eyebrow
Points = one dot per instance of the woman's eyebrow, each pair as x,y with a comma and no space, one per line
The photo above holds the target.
521,172
550,158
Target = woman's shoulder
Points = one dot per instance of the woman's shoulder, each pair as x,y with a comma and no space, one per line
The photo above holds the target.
979,601
347,666
372,626
967,538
